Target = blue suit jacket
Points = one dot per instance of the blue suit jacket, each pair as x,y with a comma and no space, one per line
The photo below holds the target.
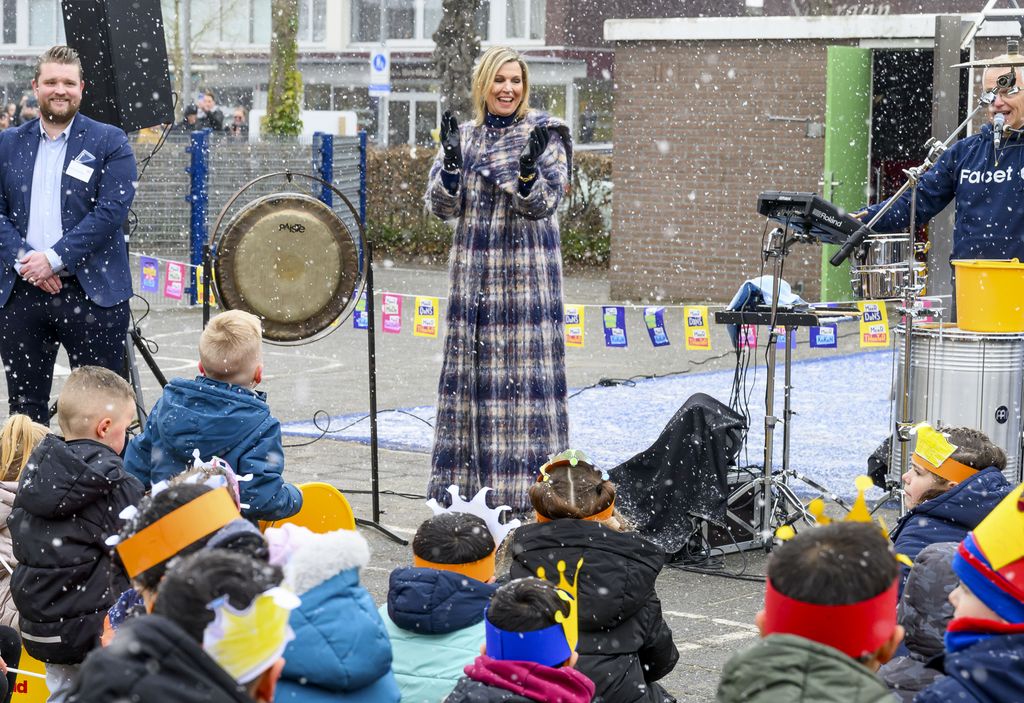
93,246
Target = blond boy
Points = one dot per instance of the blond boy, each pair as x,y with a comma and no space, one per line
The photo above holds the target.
220,413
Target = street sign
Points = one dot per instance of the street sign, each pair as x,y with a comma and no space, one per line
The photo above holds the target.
380,73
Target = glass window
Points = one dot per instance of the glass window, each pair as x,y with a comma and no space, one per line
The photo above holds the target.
260,22
316,96
549,98
10,21
432,13
356,98
365,20
234,22
398,122
595,111
537,18
45,23
426,122
401,19
312,21
515,18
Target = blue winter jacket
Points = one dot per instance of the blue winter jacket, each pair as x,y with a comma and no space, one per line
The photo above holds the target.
989,221
989,671
435,620
340,651
950,516
219,419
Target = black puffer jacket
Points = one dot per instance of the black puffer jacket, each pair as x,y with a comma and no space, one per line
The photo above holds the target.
625,645
152,660
69,500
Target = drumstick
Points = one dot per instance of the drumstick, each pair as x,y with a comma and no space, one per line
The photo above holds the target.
25,673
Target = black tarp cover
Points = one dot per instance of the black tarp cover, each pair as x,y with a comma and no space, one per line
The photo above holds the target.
684,473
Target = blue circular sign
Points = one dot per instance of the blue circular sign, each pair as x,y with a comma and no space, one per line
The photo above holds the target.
379,62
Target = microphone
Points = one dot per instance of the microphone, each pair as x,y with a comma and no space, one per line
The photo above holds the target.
854,241
998,122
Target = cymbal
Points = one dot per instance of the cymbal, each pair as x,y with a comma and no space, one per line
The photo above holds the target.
1004,60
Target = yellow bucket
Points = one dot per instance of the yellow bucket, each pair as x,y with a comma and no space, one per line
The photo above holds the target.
990,295
30,689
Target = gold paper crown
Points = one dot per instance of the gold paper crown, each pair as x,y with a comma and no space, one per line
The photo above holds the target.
569,593
246,642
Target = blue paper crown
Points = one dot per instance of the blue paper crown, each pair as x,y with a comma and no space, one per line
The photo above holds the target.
548,647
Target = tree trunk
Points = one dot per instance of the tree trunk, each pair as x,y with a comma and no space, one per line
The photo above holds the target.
456,47
284,95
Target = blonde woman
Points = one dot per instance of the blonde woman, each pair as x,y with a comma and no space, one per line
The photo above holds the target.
502,407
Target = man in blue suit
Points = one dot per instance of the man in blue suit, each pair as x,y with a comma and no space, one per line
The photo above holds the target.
66,183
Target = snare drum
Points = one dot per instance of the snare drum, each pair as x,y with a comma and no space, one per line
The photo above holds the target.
882,273
965,379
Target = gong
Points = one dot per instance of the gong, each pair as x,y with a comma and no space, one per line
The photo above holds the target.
291,260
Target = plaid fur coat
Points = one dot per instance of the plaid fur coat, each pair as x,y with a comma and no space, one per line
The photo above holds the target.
502,407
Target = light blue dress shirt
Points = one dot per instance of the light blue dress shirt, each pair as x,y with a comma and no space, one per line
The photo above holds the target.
45,227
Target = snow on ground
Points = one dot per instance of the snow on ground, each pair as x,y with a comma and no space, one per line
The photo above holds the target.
841,406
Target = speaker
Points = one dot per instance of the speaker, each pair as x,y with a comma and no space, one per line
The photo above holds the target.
124,61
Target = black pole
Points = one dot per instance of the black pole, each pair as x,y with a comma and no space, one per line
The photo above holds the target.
207,263
371,350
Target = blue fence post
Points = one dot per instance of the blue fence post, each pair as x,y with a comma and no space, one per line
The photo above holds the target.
323,162
199,197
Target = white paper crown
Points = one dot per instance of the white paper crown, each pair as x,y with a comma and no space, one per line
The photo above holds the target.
478,507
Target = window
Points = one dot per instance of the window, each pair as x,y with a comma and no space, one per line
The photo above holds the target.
404,19
260,22
316,96
45,23
10,21
312,21
524,19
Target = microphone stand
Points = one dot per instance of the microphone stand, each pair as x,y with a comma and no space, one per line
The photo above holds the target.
910,291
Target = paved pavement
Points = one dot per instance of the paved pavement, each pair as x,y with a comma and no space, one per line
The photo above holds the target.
711,616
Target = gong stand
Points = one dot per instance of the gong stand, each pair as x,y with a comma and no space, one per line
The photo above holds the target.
364,283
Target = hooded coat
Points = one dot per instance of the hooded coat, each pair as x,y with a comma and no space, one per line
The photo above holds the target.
341,651
502,407
791,669
924,612
69,502
625,645
8,611
219,419
950,516
152,660
492,681
989,671
435,620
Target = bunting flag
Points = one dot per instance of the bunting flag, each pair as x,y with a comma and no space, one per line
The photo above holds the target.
425,319
360,320
574,317
697,333
874,324
654,319
615,326
391,313
149,275
824,337
781,337
747,337
200,287
174,281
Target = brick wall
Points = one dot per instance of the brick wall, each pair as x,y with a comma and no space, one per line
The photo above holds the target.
693,149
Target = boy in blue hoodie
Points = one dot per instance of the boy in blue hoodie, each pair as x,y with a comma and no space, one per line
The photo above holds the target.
221,414
985,639
435,610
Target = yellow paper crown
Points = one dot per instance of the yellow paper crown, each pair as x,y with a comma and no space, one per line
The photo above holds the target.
246,642
569,593
1001,534
934,452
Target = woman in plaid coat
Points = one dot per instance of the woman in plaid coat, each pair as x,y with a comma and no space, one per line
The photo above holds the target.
502,406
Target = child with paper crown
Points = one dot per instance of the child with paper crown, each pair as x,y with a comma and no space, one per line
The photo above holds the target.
175,521
221,414
69,498
954,480
985,640
531,628
435,609
828,622
341,652
625,645
216,634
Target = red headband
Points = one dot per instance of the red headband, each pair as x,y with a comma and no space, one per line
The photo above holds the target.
855,629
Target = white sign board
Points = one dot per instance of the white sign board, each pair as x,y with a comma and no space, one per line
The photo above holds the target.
380,73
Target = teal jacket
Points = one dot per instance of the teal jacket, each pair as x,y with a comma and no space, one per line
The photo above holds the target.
790,669
435,620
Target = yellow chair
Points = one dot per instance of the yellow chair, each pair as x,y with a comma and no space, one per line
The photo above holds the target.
324,509
30,689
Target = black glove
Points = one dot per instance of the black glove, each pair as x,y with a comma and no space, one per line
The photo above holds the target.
535,146
450,142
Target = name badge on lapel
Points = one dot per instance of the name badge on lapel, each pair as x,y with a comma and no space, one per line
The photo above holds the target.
78,169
